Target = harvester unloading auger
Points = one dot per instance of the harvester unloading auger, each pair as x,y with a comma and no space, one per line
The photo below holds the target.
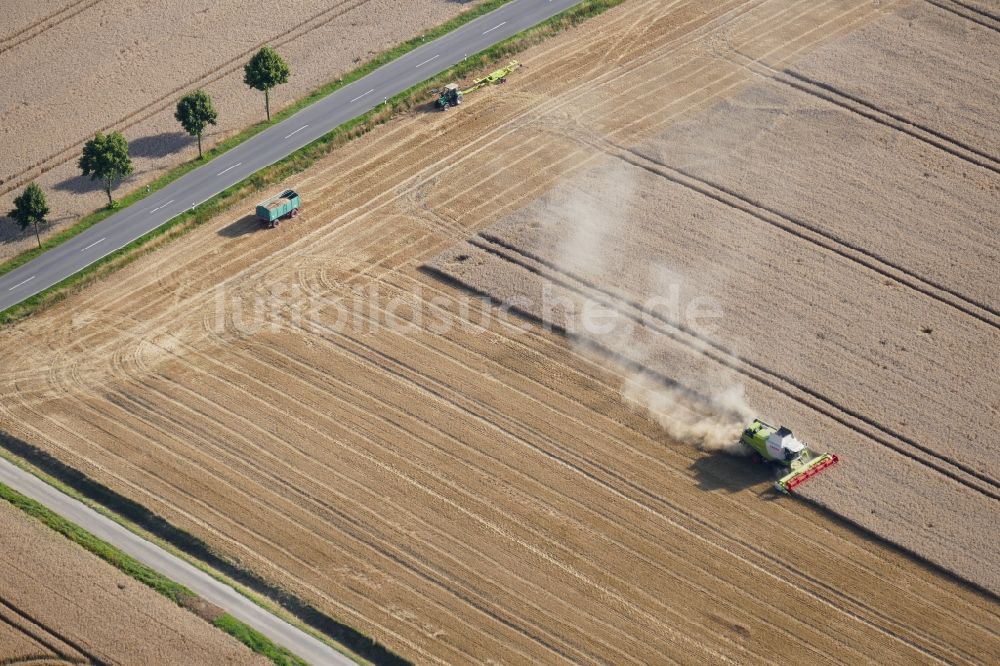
452,95
779,447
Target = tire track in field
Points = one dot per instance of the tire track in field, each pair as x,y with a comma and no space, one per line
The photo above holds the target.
60,653
793,619
859,107
455,350
164,102
863,11
804,230
565,457
901,120
52,20
968,12
449,357
777,381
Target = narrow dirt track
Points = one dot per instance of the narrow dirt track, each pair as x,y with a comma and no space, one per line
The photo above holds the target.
471,487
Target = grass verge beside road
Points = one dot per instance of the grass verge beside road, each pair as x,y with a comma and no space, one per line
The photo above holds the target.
176,592
295,162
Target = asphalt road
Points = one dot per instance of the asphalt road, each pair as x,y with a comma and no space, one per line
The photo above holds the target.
272,145
300,643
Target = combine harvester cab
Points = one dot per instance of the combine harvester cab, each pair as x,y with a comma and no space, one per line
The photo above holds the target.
281,207
778,446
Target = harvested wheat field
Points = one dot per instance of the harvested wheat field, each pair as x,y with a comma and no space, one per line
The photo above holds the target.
148,56
322,408
60,604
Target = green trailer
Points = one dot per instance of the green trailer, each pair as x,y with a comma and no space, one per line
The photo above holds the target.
281,207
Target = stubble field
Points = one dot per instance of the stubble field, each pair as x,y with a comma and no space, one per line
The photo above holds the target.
473,486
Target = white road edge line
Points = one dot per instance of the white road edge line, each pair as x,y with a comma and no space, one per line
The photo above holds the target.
428,60
20,283
163,206
92,245
495,27
361,95
297,131
232,167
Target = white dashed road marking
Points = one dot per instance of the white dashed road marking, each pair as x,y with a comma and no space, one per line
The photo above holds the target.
362,95
20,283
495,27
163,206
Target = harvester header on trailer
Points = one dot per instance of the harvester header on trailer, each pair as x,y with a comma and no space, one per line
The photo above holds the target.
452,95
779,447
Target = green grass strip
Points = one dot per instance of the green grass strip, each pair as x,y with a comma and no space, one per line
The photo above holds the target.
176,592
256,641
301,159
228,144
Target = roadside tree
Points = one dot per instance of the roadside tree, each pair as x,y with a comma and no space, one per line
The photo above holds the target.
266,70
30,209
195,112
105,158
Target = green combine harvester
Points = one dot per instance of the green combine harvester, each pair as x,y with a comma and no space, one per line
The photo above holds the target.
779,447
452,95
